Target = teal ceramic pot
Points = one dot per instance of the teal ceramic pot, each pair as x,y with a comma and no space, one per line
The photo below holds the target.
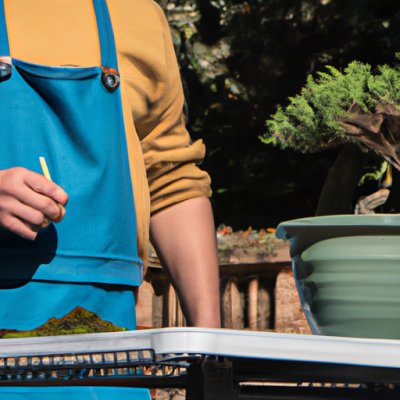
347,272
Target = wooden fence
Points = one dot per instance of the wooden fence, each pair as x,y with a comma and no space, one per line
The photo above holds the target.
257,293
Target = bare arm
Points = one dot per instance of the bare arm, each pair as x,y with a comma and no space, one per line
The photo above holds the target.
28,202
184,238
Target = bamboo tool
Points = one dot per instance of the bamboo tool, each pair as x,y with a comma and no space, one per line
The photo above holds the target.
45,169
47,175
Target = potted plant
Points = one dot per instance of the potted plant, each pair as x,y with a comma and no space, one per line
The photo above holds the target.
347,267
356,109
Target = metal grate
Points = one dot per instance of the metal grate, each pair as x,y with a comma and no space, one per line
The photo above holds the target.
89,366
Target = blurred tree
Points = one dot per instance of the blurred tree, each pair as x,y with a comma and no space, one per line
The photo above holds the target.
238,69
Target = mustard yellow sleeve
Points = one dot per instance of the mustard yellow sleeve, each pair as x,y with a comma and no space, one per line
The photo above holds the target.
157,99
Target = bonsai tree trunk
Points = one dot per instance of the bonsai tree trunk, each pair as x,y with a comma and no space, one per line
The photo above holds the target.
378,131
338,191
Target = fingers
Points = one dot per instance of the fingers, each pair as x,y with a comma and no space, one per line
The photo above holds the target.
61,214
20,228
35,191
27,214
29,202
44,204
21,219
40,184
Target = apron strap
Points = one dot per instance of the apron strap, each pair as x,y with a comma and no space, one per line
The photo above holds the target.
4,47
104,27
106,36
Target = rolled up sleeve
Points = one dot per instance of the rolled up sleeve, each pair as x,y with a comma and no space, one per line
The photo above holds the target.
152,79
170,156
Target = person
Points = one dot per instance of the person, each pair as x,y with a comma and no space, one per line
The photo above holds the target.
81,238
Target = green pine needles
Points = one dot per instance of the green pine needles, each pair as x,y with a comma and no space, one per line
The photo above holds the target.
321,116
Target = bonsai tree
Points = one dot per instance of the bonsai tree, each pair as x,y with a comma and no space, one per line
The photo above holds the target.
358,108
358,105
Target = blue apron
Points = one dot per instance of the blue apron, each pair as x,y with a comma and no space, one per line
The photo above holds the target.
73,117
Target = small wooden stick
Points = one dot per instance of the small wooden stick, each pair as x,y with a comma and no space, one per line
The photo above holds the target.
47,175
45,169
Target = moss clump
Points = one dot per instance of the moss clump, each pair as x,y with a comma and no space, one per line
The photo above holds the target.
79,320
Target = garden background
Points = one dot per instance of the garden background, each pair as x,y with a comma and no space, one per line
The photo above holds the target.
239,60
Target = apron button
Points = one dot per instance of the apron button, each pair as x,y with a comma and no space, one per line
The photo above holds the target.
5,71
110,78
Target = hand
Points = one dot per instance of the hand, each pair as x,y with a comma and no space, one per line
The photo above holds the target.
29,202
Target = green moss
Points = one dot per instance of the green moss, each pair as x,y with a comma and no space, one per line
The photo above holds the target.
79,320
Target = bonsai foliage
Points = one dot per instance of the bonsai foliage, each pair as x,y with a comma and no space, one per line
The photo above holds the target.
357,105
